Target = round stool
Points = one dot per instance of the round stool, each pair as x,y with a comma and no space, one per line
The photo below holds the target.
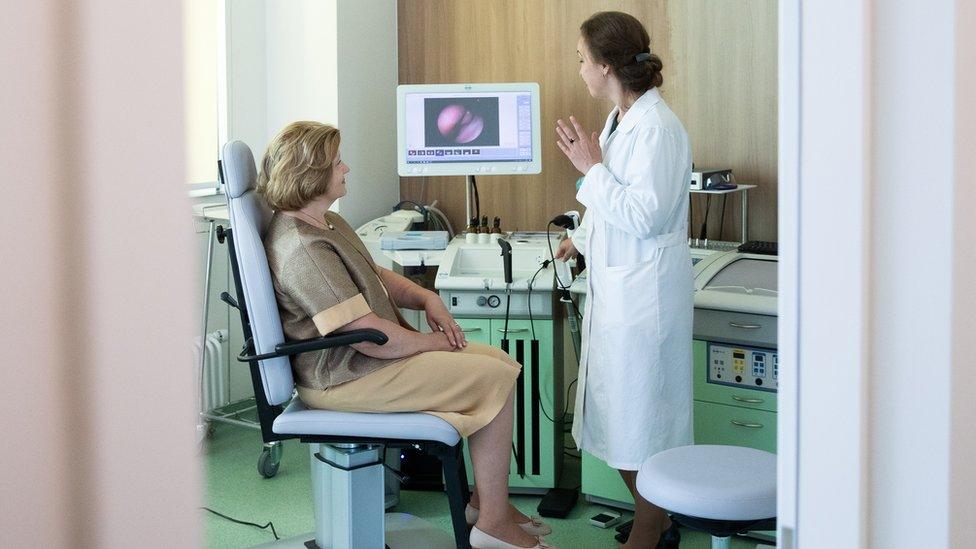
720,490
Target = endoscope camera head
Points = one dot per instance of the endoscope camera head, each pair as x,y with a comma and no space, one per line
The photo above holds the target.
564,221
506,247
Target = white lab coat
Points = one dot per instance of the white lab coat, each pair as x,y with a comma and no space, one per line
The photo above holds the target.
635,387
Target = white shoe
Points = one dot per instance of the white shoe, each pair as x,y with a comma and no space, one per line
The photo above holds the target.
481,540
535,526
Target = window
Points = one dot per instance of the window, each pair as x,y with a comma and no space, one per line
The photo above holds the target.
202,85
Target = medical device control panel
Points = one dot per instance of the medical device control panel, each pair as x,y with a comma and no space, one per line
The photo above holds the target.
739,366
493,304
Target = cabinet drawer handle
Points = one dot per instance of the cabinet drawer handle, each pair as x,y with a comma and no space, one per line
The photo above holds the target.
513,330
749,425
747,400
745,326
469,330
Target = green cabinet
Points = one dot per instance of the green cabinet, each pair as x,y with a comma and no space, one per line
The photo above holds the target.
722,394
601,484
539,400
736,416
734,425
476,330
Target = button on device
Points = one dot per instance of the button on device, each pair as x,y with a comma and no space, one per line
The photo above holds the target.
482,301
453,302
758,381
738,379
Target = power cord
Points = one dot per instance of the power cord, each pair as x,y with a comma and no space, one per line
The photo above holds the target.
477,198
703,233
245,523
529,296
559,283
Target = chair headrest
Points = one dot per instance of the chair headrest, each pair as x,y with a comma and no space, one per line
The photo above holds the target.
238,165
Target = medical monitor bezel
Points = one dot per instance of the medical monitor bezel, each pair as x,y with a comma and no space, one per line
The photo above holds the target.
486,167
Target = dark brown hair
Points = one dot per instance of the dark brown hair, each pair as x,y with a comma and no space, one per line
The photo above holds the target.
615,39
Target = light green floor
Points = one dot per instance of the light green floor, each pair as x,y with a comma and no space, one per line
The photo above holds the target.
233,487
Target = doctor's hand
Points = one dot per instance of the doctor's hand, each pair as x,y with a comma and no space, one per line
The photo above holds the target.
440,320
567,250
582,149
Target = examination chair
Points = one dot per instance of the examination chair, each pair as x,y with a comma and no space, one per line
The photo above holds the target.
347,449
720,490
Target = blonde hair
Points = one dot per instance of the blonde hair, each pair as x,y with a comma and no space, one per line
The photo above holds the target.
297,167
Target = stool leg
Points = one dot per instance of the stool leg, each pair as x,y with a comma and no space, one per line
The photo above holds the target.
721,543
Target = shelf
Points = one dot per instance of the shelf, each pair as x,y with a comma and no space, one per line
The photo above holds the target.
728,191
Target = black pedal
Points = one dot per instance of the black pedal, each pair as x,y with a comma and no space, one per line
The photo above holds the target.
558,502
623,531
759,247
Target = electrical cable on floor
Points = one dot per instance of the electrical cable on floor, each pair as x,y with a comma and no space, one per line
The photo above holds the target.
245,523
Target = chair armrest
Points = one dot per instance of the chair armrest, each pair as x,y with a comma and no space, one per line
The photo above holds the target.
318,343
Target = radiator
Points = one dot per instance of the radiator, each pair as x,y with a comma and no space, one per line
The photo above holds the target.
214,387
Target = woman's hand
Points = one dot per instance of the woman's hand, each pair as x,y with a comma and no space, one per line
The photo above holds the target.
440,320
567,250
581,149
439,342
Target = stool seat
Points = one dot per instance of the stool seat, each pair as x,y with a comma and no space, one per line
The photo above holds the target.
726,483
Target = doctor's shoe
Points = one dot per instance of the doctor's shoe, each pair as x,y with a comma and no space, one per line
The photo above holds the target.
481,540
535,526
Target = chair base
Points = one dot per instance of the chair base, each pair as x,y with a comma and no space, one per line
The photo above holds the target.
724,528
403,531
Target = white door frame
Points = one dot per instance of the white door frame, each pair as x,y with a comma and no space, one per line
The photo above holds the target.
876,150
822,342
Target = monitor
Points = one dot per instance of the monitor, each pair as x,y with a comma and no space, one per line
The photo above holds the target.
468,129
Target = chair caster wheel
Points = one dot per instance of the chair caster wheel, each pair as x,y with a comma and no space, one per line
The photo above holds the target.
270,460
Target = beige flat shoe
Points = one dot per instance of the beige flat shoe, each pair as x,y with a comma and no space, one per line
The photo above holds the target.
481,540
535,526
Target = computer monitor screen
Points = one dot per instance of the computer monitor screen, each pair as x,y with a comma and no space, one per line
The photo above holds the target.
468,129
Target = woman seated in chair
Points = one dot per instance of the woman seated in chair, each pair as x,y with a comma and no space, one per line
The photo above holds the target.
326,282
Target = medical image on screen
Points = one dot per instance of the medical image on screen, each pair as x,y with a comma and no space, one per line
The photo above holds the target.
469,121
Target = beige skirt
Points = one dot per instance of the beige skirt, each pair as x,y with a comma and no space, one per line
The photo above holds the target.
465,388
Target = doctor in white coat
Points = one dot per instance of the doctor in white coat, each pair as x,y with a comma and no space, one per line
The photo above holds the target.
635,386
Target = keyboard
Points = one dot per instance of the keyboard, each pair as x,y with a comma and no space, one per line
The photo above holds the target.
759,247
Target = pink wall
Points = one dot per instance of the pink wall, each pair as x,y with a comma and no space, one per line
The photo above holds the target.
97,313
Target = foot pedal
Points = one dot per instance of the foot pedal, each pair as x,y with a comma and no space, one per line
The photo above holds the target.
558,502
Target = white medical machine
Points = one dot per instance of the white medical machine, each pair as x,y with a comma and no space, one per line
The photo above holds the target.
471,279
515,308
494,129
735,317
736,361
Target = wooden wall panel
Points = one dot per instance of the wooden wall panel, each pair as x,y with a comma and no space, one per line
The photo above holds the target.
451,41
723,87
